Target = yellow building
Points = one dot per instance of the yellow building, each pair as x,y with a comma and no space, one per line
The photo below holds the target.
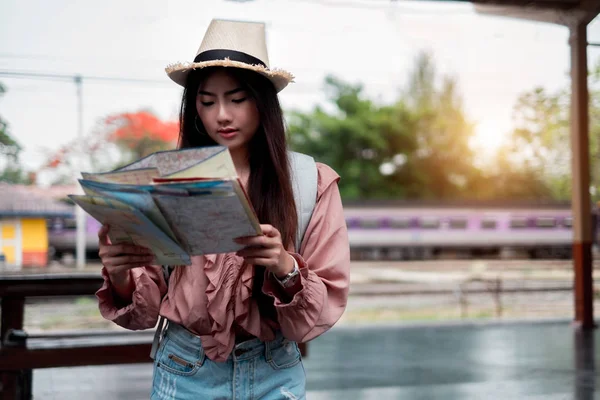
23,227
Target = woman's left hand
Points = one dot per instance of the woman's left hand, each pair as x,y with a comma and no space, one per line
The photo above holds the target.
267,250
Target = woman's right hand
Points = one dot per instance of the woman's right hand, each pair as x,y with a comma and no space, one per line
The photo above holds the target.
118,259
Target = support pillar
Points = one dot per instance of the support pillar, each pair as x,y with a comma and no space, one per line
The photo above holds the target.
581,203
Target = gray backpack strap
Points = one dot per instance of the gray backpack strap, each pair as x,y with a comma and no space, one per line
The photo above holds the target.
158,336
167,269
162,321
304,184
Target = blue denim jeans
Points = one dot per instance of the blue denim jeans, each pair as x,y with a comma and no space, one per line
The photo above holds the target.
254,370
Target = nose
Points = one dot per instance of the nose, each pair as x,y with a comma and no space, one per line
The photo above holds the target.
224,115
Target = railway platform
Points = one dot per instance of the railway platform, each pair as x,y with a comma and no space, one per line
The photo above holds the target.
502,360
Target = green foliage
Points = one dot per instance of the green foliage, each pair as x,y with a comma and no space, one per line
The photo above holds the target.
355,140
422,142
416,147
10,170
14,174
8,145
443,158
540,143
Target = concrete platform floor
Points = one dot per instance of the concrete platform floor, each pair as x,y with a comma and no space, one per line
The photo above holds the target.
504,360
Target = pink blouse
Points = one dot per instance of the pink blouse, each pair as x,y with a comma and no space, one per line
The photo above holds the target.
216,290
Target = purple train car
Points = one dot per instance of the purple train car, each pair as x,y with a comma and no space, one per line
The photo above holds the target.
62,234
418,232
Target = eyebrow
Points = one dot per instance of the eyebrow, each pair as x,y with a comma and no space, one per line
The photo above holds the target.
228,93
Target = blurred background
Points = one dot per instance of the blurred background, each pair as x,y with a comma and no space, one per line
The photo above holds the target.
449,128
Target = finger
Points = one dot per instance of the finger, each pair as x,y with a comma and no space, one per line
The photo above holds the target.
103,235
126,267
245,238
127,249
110,252
269,230
266,262
256,252
124,260
257,241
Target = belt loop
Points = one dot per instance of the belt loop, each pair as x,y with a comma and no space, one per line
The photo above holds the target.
267,350
158,336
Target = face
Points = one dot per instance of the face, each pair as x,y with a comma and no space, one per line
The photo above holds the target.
228,113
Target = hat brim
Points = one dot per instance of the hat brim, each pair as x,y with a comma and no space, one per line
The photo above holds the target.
179,72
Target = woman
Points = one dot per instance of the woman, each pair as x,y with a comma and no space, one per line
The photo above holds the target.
234,320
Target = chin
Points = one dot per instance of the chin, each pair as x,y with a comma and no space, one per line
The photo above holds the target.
234,144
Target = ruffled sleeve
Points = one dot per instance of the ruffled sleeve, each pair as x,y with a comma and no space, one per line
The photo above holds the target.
142,311
324,262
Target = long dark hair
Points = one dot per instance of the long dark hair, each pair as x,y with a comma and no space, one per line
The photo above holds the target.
269,183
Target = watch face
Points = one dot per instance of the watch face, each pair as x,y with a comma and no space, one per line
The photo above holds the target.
291,281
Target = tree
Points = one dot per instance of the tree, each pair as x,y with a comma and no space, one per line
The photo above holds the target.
117,140
416,147
443,158
507,181
10,170
540,144
142,133
355,139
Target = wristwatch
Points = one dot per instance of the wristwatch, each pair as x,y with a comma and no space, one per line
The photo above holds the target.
290,279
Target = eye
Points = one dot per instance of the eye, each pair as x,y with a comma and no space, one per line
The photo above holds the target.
207,103
239,100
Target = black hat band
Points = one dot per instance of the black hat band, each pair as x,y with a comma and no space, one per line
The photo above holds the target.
221,54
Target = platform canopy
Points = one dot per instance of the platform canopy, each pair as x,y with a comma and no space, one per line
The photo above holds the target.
563,12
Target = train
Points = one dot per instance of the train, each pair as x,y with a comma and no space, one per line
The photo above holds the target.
417,231
462,231
62,236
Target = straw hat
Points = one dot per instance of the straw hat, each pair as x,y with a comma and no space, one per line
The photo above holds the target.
234,44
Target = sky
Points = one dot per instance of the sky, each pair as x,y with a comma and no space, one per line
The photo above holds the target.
375,42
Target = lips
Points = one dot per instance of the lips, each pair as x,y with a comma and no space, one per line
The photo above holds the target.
227,133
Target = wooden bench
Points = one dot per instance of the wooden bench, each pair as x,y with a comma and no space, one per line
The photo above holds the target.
20,352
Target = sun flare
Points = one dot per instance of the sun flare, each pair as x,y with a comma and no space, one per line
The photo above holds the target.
488,137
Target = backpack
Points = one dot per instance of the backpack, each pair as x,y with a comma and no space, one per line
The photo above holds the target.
304,185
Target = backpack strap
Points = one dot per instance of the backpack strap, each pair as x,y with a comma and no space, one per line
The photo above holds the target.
304,184
158,336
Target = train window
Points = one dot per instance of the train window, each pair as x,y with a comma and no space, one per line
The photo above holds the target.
568,222
488,224
458,223
400,223
369,223
518,223
70,223
55,224
429,223
545,222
